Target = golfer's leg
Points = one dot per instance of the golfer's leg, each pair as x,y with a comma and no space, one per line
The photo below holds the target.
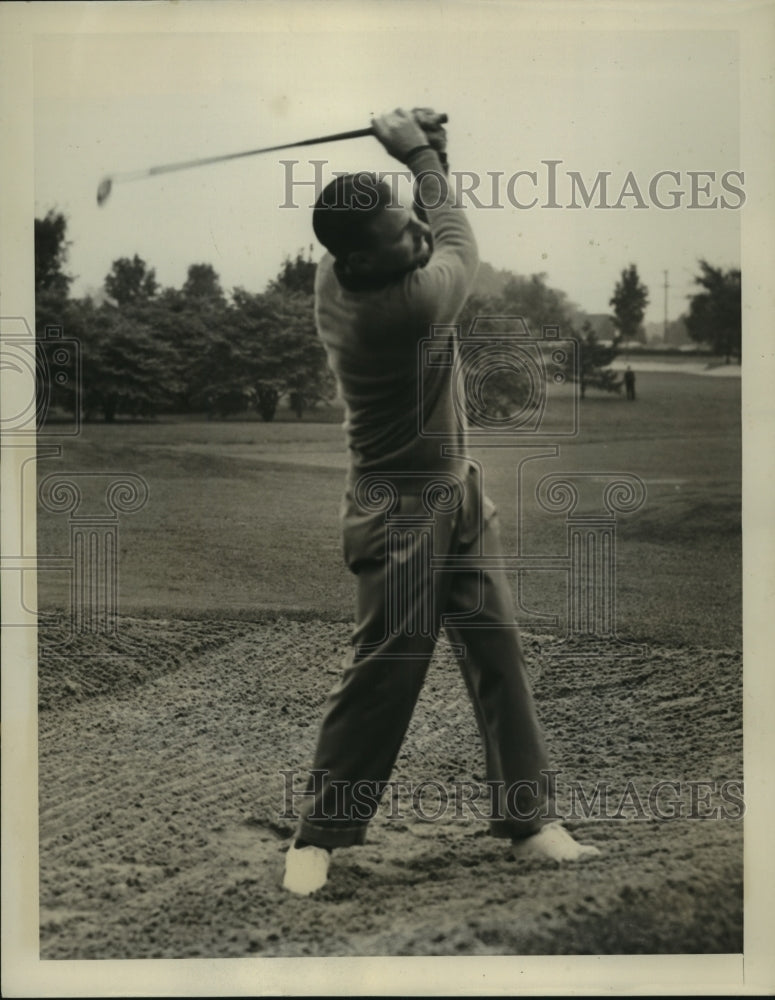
367,714
493,667
364,723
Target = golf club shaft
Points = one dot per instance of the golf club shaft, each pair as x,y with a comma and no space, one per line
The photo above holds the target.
188,164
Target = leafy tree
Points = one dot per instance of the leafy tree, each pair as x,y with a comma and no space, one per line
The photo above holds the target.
509,388
130,281
52,288
476,307
181,332
52,284
80,322
594,361
528,298
283,353
193,321
537,303
51,250
715,314
255,328
127,369
296,275
277,332
202,285
629,300
308,379
266,340
218,376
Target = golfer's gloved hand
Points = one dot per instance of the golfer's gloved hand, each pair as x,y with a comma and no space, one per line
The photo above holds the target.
399,133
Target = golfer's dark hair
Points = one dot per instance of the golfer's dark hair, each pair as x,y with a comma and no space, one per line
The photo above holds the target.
345,210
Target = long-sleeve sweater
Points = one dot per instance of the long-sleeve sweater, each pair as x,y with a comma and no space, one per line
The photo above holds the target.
400,411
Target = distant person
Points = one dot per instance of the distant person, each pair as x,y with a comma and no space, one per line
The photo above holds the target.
387,278
629,383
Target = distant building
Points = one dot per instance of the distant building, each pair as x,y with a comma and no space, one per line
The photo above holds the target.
675,336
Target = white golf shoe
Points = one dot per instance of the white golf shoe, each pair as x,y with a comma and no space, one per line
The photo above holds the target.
306,869
553,843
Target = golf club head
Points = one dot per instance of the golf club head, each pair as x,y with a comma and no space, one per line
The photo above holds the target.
103,191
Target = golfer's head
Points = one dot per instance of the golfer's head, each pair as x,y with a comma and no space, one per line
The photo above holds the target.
370,234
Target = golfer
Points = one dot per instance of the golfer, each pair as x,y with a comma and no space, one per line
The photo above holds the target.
387,279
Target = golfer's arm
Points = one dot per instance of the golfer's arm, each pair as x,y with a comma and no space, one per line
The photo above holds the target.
443,285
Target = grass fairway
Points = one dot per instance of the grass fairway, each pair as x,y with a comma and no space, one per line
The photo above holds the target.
242,517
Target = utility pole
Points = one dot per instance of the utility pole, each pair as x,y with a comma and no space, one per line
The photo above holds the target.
664,334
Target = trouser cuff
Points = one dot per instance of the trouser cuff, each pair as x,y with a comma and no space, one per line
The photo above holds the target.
332,835
521,826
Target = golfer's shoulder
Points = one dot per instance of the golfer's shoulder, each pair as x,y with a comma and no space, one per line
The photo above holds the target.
324,273
339,313
327,289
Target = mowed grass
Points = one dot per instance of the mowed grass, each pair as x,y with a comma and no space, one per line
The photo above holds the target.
242,519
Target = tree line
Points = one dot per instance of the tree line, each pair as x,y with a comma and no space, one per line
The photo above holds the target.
713,319
147,350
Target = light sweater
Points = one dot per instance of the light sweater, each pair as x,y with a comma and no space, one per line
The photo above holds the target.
400,413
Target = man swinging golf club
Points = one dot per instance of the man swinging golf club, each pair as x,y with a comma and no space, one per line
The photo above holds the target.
387,278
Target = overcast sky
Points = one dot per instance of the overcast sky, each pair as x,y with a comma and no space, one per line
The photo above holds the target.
596,100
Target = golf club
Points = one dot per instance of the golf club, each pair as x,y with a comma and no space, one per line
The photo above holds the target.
106,184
